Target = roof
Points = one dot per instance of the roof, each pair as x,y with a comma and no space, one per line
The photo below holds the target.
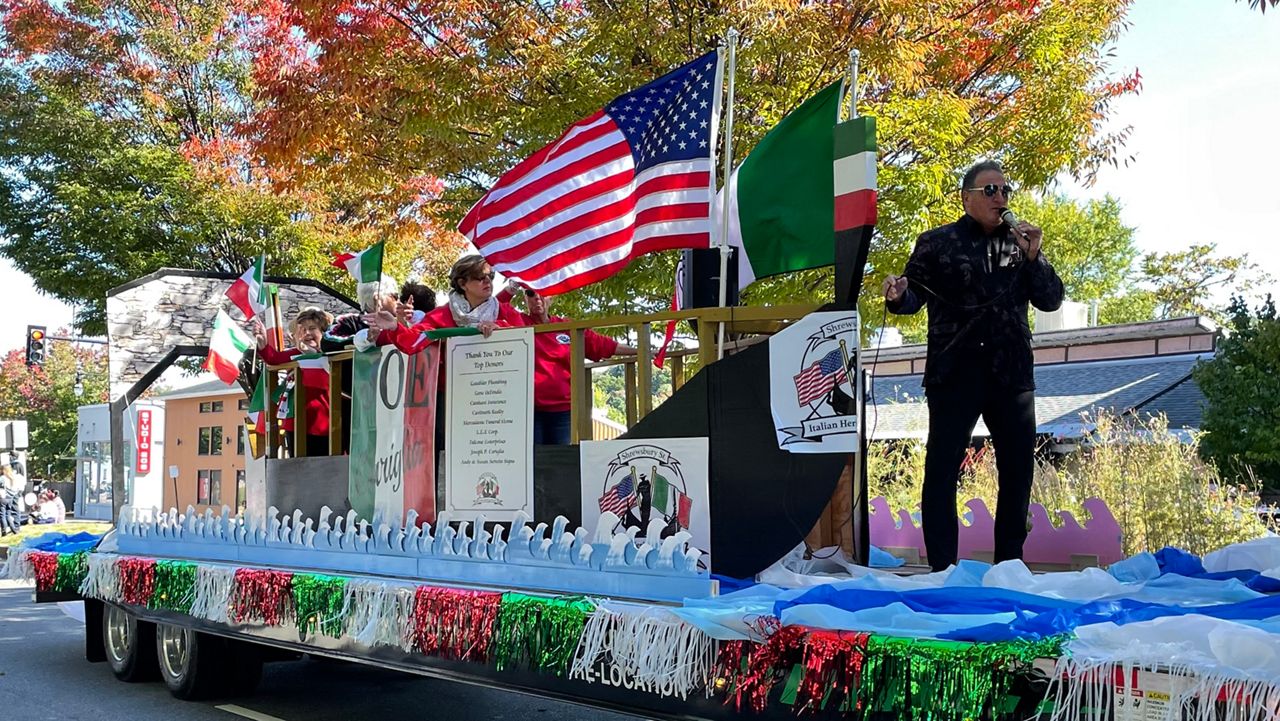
199,390
1182,405
1064,391
1069,337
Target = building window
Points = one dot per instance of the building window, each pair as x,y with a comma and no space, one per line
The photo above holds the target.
202,487
215,488
240,492
211,406
210,441
239,441
242,404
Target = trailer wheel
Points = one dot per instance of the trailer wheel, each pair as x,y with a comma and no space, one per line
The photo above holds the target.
129,645
189,661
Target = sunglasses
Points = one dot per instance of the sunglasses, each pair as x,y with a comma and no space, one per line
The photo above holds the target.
482,276
991,189
530,293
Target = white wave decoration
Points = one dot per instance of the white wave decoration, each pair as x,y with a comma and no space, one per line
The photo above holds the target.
538,556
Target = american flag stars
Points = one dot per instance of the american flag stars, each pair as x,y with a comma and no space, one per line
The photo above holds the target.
668,119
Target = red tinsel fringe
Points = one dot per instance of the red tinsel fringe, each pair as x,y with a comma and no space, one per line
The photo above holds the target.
261,594
454,623
45,566
137,580
832,662
766,664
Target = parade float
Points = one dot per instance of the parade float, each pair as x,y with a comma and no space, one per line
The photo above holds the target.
657,573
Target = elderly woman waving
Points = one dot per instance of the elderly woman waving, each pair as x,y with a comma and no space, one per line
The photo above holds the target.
471,305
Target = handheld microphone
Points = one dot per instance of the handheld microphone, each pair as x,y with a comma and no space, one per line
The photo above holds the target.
1008,217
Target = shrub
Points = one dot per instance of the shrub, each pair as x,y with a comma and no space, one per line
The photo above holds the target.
1161,492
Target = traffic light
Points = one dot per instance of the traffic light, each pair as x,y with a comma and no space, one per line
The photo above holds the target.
36,345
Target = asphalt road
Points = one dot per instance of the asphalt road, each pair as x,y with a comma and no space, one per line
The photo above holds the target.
43,675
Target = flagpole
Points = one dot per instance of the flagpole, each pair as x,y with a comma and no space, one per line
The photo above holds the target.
731,39
851,85
859,517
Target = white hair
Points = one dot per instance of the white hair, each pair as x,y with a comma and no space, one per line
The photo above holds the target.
367,293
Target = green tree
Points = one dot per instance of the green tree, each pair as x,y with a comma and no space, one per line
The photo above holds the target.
45,397
468,89
1091,249
125,149
1242,392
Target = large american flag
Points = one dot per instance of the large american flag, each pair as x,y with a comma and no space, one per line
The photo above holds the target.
821,376
632,178
618,498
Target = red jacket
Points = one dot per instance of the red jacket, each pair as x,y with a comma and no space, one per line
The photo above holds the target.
317,402
409,338
551,370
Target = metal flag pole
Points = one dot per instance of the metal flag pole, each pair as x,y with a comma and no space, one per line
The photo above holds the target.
851,86
731,40
861,527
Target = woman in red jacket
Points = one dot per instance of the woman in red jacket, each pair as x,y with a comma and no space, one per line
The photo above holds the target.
308,330
552,369
471,304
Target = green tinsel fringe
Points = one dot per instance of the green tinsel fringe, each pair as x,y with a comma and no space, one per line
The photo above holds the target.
930,680
540,632
72,569
175,586
318,601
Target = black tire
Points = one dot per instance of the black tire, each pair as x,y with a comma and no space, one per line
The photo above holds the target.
243,667
190,662
129,645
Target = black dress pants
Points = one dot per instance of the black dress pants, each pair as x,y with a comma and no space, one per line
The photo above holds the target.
954,408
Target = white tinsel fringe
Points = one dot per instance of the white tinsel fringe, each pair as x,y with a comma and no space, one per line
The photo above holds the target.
652,647
379,613
103,579
1087,690
214,585
19,566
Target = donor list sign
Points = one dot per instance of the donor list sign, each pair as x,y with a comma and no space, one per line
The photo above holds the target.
489,446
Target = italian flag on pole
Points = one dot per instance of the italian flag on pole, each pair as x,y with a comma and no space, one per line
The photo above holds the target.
783,196
247,292
227,345
365,266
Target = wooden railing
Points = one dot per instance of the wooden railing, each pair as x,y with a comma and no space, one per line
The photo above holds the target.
743,326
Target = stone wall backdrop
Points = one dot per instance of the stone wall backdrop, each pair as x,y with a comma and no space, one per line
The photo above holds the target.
171,307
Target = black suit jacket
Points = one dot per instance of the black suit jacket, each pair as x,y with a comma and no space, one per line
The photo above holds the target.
977,309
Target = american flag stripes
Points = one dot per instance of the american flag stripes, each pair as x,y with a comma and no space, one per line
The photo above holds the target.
631,178
619,497
813,382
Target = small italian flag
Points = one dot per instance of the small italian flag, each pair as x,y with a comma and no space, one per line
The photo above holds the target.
365,266
258,405
314,369
227,345
782,197
248,292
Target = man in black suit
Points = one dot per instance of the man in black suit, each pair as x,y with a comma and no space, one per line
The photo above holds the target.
976,276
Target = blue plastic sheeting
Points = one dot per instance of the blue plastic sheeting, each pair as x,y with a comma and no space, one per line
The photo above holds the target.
63,543
957,601
881,558
1177,561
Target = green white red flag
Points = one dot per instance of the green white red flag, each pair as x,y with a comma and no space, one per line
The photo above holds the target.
248,292
227,345
365,266
782,198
